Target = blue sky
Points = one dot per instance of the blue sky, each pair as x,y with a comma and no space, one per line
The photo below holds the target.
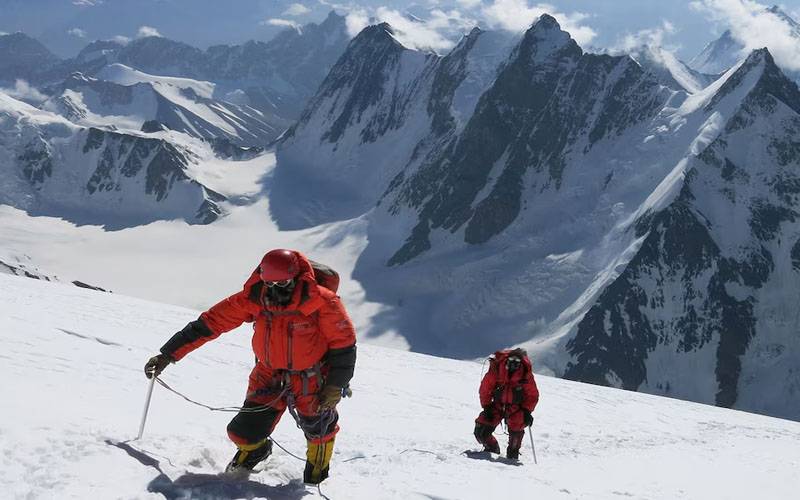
65,26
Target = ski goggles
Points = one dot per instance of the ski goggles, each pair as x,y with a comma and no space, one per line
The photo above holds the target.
513,363
279,284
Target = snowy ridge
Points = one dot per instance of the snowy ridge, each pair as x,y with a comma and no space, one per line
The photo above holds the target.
404,442
401,104
90,175
703,283
275,77
125,98
671,71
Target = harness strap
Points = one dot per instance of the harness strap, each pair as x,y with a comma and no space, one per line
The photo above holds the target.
305,376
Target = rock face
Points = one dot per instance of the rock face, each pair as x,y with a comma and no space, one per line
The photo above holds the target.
96,176
382,108
548,99
709,279
21,57
626,233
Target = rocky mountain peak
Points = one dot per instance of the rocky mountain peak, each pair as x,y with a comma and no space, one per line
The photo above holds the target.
783,16
22,55
545,38
768,79
377,33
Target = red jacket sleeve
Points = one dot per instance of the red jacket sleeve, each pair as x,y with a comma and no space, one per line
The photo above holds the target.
338,331
221,318
531,393
487,387
335,325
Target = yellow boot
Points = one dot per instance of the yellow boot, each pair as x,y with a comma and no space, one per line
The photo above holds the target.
318,459
249,455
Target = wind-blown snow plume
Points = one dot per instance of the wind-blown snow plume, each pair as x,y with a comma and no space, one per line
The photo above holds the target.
441,29
145,31
649,37
356,19
754,25
439,32
518,15
281,22
77,32
430,33
24,92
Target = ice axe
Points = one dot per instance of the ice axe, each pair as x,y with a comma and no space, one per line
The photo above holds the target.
146,405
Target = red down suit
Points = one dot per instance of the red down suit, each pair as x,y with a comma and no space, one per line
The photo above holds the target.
508,394
310,342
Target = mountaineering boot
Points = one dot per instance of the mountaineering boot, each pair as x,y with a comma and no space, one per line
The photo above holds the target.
318,459
491,445
248,456
514,444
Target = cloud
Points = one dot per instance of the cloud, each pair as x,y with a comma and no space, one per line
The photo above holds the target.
440,29
124,40
281,22
145,31
752,25
77,32
518,15
651,37
3,33
86,3
296,9
426,34
24,92
356,20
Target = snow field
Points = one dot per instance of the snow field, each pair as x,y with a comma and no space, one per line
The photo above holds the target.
72,367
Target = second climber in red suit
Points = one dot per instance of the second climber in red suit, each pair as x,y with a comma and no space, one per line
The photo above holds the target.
305,349
508,392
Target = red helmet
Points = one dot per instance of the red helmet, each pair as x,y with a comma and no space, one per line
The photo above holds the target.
279,265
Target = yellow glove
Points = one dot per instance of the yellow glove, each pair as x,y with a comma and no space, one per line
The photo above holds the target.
329,397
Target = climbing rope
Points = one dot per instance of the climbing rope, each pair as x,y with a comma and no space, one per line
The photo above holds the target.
251,409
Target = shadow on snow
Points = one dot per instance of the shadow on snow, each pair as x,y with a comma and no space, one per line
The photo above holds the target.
208,486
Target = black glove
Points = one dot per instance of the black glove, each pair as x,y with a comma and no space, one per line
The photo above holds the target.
488,413
528,418
156,365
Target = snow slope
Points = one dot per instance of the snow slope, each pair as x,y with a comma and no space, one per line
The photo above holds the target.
187,264
74,389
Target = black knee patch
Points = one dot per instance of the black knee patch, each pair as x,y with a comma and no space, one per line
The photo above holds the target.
253,426
482,432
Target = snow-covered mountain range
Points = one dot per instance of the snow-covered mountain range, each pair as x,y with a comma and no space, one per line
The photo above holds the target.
724,52
627,218
274,77
403,431
91,175
125,98
629,233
